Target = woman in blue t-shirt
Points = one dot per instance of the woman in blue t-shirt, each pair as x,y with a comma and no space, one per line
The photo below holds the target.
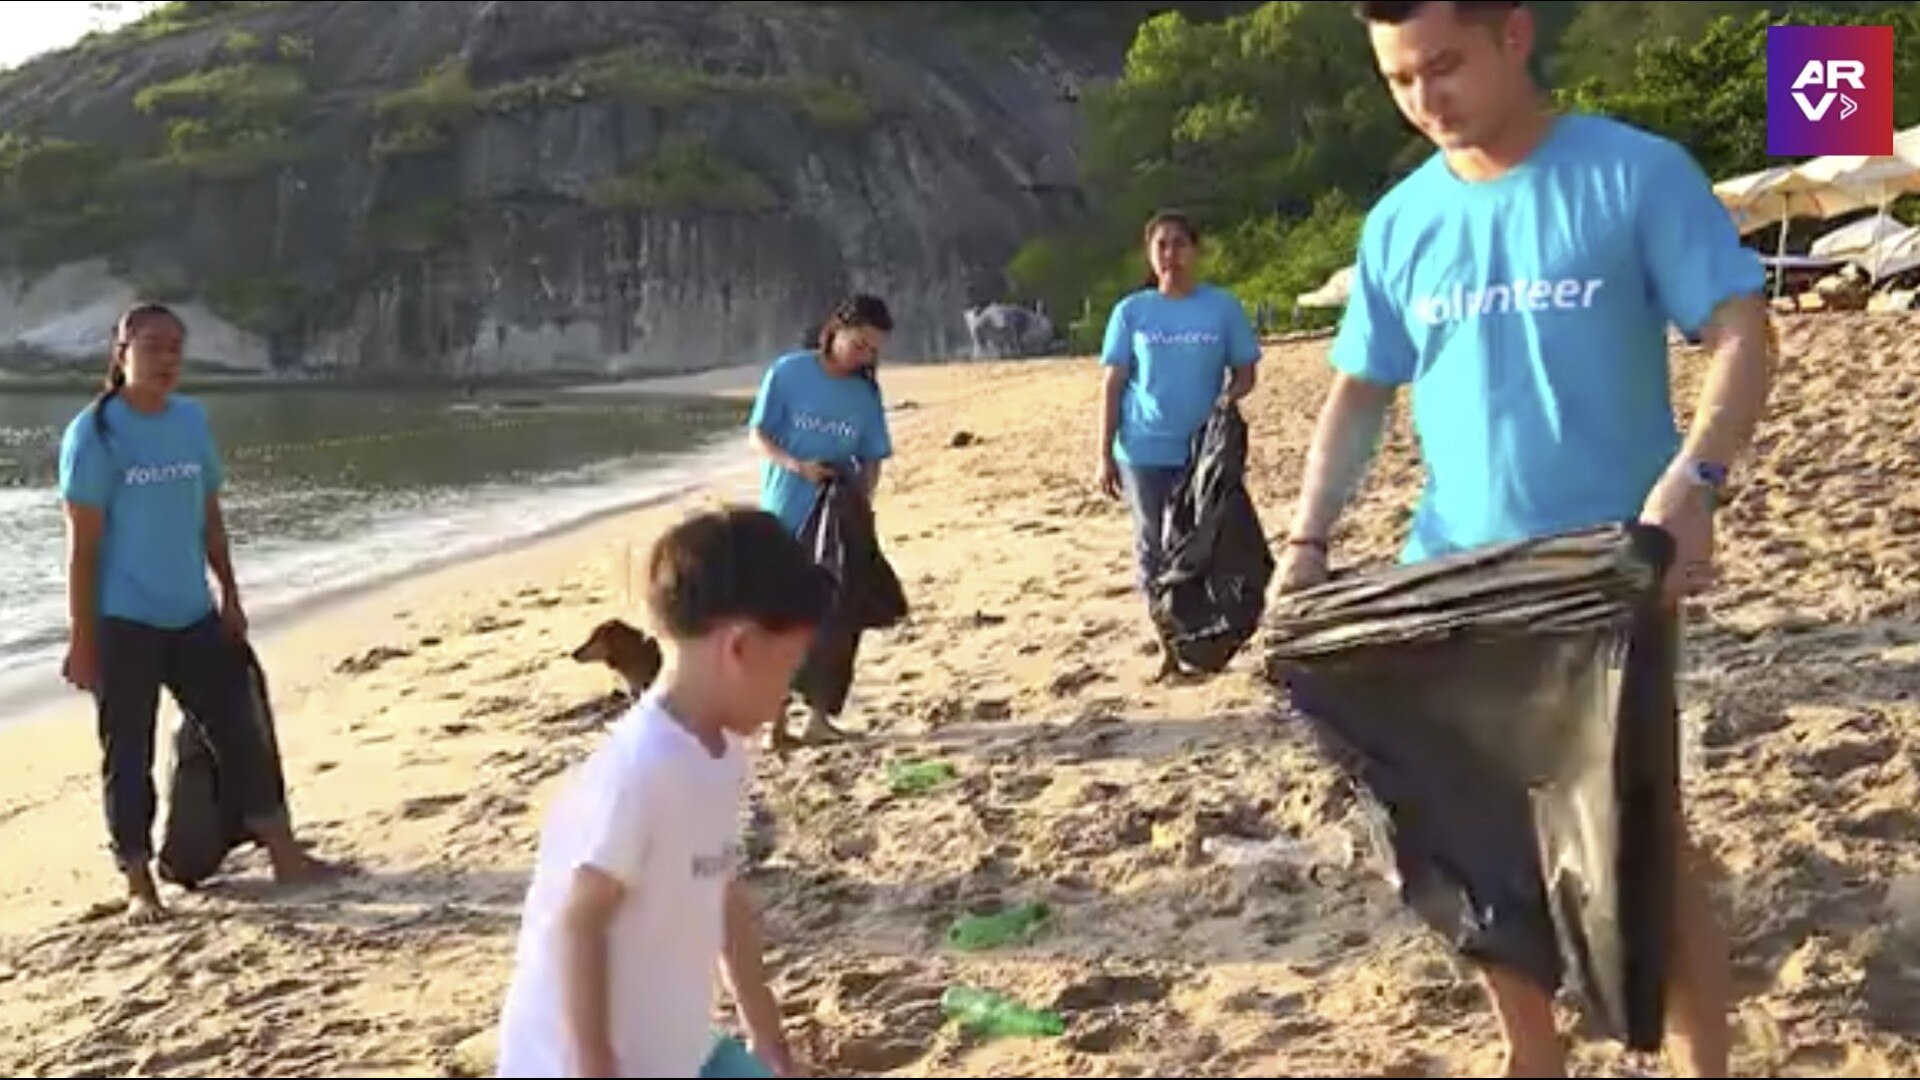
820,413
1173,350
140,478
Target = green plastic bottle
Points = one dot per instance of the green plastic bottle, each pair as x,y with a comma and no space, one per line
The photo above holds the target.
914,777
996,1015
975,933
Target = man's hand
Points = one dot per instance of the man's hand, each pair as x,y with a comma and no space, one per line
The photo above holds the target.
1682,508
592,898
746,978
778,1057
1302,567
596,1062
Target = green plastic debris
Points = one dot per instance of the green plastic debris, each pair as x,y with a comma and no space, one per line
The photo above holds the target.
915,777
976,933
995,1015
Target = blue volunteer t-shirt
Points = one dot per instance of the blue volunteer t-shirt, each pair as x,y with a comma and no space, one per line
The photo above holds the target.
1530,315
152,475
814,416
1179,350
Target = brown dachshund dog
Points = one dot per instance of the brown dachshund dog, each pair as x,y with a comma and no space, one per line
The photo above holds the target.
632,653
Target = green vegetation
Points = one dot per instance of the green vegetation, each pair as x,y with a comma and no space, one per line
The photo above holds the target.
685,173
1273,130
426,116
244,91
429,115
418,229
262,303
229,122
166,20
60,198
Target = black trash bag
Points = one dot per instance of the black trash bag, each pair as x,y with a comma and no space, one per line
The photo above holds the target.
1211,592
204,819
841,534
1510,714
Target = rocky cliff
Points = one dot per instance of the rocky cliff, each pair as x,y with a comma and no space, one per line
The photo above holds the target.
449,189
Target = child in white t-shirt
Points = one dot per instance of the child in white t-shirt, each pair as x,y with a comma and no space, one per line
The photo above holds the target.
634,895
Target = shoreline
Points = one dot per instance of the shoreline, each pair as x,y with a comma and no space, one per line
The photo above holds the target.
30,693
26,697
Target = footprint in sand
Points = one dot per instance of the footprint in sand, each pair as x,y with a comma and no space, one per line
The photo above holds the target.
426,806
1837,761
488,624
888,1019
370,661
490,706
1069,683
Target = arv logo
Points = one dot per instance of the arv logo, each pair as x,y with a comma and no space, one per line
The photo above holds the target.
1829,90
1829,75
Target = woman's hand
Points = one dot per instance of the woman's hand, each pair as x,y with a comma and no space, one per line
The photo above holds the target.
817,472
1107,476
233,618
82,665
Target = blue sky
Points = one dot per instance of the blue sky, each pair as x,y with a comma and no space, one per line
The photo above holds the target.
36,26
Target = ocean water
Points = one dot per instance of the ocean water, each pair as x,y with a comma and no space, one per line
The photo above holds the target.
332,489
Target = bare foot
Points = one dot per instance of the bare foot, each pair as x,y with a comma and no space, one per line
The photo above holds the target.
143,899
307,870
293,866
1170,669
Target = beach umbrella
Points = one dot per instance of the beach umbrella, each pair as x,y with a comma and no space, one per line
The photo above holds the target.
1878,178
1898,253
1857,238
1780,194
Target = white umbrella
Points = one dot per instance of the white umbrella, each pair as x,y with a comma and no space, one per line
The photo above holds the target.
1897,254
1780,194
1880,178
1857,238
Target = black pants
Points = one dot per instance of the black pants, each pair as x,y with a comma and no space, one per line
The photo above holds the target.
825,678
206,674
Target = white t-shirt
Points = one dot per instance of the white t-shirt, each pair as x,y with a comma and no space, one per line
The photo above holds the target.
655,809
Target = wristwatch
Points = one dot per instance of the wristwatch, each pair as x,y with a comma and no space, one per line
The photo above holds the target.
1707,474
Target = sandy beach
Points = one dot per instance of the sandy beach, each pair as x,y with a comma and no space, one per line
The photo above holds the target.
426,724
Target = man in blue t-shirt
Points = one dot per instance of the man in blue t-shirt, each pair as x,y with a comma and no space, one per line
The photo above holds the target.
1520,282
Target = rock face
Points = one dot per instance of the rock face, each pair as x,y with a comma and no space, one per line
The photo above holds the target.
446,189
